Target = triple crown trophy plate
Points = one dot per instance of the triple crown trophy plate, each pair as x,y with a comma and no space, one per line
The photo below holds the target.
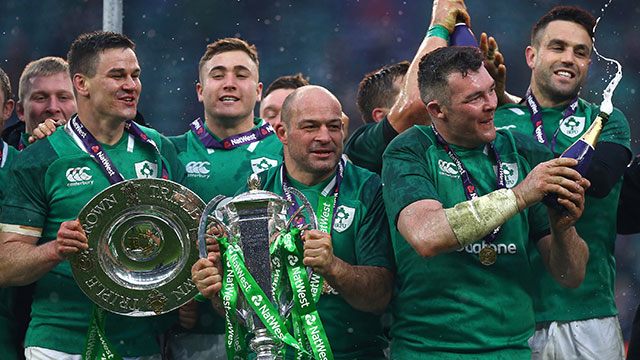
143,236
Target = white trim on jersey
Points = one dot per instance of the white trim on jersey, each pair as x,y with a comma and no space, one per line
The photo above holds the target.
21,230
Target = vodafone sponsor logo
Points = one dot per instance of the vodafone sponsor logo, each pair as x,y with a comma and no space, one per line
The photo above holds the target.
198,169
78,176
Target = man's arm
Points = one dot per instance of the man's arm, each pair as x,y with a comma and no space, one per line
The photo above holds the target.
564,253
607,166
23,262
409,109
432,230
365,288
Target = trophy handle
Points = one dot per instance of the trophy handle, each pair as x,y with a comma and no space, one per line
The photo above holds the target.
313,219
202,228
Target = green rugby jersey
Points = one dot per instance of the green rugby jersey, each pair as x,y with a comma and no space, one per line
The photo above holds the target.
7,295
49,182
367,144
360,236
451,306
212,172
595,297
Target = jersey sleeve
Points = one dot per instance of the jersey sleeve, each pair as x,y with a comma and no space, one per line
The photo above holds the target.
373,240
405,172
26,198
616,130
367,144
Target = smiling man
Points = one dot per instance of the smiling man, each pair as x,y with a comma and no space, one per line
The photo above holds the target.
219,153
578,323
465,201
351,251
53,179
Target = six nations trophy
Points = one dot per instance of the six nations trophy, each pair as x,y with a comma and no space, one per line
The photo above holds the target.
266,289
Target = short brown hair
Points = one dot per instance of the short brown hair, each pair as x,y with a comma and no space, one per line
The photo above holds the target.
287,82
85,50
46,66
566,13
225,45
376,89
5,84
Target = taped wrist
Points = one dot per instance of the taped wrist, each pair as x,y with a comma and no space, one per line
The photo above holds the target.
438,31
473,219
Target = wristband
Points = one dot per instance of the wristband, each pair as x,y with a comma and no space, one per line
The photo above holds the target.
438,31
473,219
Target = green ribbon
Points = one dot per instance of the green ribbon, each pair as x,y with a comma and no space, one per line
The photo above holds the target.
97,346
234,331
256,298
305,307
325,221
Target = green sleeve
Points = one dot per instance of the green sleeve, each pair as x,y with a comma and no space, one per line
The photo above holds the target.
373,240
405,172
367,144
26,197
170,155
616,130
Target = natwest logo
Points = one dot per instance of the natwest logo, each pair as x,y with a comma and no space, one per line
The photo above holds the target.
78,176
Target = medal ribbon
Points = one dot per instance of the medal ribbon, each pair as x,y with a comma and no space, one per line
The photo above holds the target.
305,311
256,298
232,141
234,331
469,189
536,118
95,150
325,213
97,346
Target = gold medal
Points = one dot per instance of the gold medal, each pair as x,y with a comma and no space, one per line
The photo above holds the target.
487,255
326,288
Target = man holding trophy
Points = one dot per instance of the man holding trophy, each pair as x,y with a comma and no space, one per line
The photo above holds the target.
351,249
54,178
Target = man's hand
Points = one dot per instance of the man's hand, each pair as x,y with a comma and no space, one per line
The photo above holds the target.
188,314
574,206
318,252
449,12
553,176
71,239
494,63
45,129
207,277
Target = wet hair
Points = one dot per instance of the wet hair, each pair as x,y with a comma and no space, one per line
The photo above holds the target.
436,66
46,66
5,84
85,51
287,82
567,13
226,45
376,89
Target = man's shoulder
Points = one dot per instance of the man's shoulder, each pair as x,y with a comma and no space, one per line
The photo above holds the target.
180,141
417,134
509,116
43,152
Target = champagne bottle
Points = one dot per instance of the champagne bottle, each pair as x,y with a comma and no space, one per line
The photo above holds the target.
463,36
581,150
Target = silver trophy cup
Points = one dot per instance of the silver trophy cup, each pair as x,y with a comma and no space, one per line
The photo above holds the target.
255,217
